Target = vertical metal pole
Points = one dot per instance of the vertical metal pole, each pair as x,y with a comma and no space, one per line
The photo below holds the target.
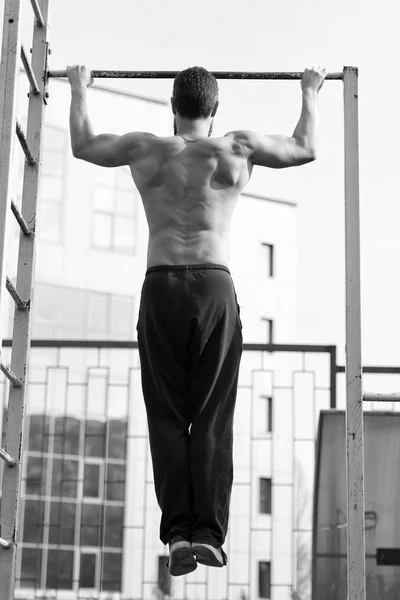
354,412
21,335
8,78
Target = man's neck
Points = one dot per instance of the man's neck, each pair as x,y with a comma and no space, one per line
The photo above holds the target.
192,130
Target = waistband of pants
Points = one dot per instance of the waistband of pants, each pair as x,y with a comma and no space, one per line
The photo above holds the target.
180,268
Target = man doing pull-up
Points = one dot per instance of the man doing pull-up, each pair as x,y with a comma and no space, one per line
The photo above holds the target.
189,328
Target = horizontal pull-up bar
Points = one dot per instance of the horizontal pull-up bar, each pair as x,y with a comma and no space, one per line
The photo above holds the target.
173,74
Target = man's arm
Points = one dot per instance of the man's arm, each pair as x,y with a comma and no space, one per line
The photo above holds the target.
105,150
278,151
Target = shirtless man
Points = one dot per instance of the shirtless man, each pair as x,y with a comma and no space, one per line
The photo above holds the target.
189,328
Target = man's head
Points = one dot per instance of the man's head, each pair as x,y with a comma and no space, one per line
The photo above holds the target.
195,94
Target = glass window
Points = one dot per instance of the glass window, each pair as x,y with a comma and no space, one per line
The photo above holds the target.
45,302
39,433
66,435
264,580
115,482
73,308
112,572
269,249
98,308
33,521
270,329
104,199
65,478
121,316
49,222
164,577
117,437
95,438
54,138
60,569
114,526
52,162
36,475
126,202
91,481
124,234
102,230
62,523
51,189
91,525
31,565
87,577
265,496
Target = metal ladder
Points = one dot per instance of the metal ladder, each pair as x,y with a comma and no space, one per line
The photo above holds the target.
26,218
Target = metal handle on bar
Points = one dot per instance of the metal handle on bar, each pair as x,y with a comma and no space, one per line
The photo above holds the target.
7,458
218,74
22,305
4,544
10,375
21,221
38,13
24,145
28,70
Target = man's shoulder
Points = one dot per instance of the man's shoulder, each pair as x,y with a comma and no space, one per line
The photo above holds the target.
242,140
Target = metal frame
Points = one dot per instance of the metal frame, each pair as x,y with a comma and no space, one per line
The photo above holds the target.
354,410
26,218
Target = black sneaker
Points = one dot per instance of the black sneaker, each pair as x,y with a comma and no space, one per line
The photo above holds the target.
209,555
181,560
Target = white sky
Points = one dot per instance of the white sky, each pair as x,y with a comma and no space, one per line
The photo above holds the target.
276,36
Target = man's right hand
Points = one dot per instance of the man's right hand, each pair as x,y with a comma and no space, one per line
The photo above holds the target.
313,79
79,76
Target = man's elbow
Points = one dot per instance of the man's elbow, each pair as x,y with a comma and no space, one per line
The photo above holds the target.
312,155
77,150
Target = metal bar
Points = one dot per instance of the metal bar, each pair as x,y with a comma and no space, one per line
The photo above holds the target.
38,13
24,145
8,77
7,458
28,70
354,412
379,370
391,397
133,345
260,75
4,544
9,374
20,219
333,377
10,503
14,294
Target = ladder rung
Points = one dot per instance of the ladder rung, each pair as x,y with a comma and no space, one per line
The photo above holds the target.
4,544
10,375
21,221
7,458
24,145
28,70
38,13
14,294
392,397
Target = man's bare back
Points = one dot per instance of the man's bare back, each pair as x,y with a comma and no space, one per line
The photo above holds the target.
190,186
189,192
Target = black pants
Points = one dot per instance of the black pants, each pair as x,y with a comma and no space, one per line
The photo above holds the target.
190,346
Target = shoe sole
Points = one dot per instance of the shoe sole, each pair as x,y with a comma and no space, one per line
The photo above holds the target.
207,555
182,562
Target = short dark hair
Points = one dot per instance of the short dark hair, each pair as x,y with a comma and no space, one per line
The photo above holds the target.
195,93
